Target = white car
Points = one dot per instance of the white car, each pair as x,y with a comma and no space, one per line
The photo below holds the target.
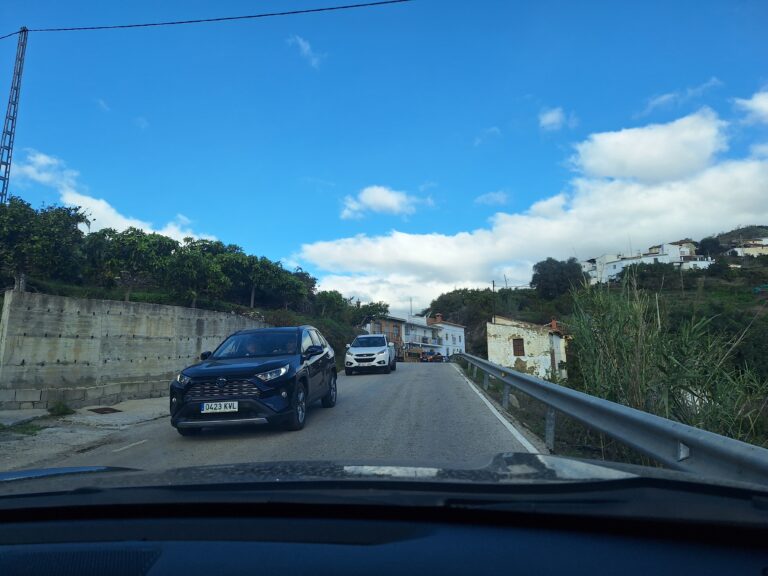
370,352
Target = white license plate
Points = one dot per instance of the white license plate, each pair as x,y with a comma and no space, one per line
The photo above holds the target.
208,407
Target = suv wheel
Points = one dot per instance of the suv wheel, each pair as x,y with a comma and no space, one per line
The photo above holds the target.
388,369
329,400
347,371
394,363
299,409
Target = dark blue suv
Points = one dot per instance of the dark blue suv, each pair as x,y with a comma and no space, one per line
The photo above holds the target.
254,377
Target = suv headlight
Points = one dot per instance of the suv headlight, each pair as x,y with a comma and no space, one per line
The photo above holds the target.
182,379
382,352
272,374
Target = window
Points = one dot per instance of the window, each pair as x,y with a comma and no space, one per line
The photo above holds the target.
306,341
518,347
316,340
368,342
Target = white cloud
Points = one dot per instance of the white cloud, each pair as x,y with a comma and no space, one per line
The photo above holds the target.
380,199
755,107
103,106
53,172
141,123
493,131
551,119
306,51
492,198
655,152
596,214
759,150
679,97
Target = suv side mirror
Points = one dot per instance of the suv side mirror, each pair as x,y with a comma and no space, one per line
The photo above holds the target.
205,355
391,344
313,350
347,346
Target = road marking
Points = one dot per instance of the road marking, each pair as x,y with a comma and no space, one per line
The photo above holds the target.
514,431
129,446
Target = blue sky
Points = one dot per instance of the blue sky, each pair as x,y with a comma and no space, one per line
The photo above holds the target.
464,140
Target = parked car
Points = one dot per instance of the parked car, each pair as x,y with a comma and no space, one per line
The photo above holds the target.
255,377
370,352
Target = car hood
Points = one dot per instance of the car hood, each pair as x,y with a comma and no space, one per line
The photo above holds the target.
373,350
503,468
237,366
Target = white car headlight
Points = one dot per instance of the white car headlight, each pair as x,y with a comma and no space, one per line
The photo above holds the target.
182,379
272,374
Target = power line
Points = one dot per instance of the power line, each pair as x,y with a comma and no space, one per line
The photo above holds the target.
212,20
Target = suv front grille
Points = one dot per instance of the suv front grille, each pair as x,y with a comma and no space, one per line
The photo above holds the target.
231,389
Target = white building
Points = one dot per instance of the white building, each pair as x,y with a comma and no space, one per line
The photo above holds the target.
526,347
433,336
681,254
450,336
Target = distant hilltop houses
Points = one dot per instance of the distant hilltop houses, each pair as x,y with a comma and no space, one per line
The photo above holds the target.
753,247
681,254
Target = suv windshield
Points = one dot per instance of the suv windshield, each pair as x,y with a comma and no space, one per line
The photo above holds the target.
257,344
368,342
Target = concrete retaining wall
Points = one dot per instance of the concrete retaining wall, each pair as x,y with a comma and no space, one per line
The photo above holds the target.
85,352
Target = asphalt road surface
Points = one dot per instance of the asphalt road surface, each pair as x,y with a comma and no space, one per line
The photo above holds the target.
420,414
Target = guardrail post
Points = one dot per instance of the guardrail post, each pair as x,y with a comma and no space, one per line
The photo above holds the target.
549,429
474,371
485,381
505,396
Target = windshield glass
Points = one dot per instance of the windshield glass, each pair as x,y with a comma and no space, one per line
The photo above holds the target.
506,211
257,344
368,342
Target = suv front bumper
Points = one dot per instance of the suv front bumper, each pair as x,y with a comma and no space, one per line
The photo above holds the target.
186,413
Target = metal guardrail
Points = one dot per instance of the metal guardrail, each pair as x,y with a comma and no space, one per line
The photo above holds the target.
675,445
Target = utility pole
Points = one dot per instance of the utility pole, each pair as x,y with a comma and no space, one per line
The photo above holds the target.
9,128
493,301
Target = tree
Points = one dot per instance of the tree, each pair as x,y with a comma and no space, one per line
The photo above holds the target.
17,239
650,276
331,304
58,243
362,314
135,258
192,273
291,289
710,246
720,269
96,248
553,278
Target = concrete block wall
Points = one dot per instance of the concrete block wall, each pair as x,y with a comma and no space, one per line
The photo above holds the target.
86,352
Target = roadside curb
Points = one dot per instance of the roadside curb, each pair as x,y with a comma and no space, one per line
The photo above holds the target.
521,428
10,418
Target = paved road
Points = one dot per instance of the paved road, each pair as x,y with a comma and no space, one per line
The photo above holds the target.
419,414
